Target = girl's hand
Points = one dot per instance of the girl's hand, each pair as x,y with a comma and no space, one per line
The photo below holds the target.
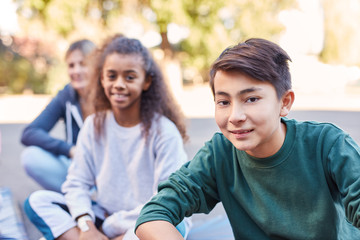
72,152
92,233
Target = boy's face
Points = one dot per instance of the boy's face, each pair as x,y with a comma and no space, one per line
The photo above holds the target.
248,113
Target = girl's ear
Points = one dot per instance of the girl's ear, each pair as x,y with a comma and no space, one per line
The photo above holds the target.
101,79
287,101
147,83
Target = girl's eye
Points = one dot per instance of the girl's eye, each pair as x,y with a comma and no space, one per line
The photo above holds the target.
252,99
130,77
111,76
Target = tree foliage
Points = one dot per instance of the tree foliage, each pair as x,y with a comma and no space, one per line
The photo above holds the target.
209,25
19,71
342,34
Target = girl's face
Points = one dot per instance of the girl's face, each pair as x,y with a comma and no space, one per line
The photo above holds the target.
123,80
77,70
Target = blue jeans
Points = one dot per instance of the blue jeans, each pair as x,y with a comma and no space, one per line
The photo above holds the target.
45,168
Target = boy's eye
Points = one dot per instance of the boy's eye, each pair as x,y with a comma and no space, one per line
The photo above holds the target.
71,65
223,102
252,99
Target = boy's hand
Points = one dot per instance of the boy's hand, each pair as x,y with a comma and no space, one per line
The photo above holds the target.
92,233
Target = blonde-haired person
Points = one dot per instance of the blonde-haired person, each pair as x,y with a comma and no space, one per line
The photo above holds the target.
46,158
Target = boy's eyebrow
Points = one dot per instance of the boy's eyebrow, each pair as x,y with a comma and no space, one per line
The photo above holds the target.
244,91
221,93
249,90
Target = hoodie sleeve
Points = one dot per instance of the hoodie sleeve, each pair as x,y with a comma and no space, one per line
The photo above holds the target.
81,174
37,132
120,222
170,152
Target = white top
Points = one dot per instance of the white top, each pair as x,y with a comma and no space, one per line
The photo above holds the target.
125,167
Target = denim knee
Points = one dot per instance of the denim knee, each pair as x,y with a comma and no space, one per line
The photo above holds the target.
30,159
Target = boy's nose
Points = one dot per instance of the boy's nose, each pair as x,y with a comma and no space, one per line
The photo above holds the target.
237,114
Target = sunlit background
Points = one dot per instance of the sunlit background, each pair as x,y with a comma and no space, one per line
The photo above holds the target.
185,36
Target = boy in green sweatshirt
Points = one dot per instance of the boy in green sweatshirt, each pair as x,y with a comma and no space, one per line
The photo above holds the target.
276,178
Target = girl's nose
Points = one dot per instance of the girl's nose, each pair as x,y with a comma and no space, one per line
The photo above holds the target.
237,114
120,83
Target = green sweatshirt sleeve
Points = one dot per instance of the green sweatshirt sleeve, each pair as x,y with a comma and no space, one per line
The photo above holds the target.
191,189
344,167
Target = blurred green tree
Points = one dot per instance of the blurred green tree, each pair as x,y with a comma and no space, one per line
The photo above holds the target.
19,72
191,33
342,35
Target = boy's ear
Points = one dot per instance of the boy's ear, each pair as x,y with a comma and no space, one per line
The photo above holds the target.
287,101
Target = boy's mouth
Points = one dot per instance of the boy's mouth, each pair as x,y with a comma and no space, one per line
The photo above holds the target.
241,133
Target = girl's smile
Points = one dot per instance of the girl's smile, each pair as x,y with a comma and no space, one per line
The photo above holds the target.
123,80
120,97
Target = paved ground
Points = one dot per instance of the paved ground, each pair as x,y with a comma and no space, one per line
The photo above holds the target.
200,129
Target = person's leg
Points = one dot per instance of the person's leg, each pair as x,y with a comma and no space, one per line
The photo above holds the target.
45,210
213,229
45,168
184,227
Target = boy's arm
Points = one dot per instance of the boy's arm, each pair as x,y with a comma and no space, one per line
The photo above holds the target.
344,167
191,189
158,230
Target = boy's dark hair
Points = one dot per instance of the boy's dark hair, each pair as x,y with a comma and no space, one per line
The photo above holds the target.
258,58
157,99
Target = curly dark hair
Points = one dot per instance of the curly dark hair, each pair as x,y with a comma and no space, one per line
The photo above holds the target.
157,99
